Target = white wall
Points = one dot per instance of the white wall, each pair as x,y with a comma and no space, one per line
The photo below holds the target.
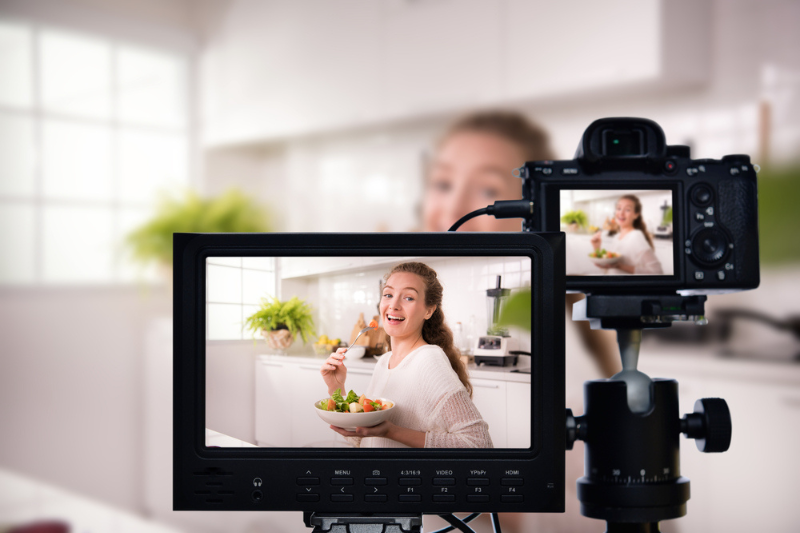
71,387
71,365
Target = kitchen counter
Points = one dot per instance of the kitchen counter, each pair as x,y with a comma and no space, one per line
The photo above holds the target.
483,372
705,362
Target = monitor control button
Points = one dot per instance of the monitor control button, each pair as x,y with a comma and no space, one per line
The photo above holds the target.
512,481
308,481
410,481
444,481
308,497
341,481
341,497
477,481
379,498
406,498
477,498
444,497
511,498
375,481
698,275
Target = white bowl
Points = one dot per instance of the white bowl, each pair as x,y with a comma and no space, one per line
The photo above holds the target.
356,352
606,262
352,420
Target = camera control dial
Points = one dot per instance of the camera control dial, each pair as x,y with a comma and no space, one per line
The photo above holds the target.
710,246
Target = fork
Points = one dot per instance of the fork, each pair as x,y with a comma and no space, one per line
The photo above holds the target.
366,329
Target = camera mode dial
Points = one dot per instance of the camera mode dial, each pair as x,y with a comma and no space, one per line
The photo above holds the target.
710,246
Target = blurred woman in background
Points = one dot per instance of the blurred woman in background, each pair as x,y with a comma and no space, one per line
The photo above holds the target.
470,169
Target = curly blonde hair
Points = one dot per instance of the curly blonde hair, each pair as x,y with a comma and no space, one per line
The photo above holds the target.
435,330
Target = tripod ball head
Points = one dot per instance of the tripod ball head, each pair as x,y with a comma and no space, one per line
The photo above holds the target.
710,425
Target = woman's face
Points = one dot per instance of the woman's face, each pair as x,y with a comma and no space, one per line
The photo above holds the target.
469,171
626,213
403,305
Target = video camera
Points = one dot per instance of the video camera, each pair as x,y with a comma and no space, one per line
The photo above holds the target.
679,224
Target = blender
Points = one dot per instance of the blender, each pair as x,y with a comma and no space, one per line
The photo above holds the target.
494,348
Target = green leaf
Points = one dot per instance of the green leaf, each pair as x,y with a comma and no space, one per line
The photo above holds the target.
517,311
351,397
232,212
575,217
294,314
337,396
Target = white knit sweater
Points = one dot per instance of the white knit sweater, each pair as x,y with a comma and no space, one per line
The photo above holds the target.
428,397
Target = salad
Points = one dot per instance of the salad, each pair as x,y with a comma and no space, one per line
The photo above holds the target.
602,253
353,403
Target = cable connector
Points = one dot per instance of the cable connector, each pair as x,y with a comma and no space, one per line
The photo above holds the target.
500,209
510,209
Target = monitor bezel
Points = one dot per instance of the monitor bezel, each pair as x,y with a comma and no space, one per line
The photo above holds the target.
547,393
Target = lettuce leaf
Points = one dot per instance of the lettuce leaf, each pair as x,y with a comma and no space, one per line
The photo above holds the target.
337,396
351,397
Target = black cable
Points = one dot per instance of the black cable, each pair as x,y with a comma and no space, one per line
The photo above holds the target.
500,209
466,520
457,523
496,523
468,216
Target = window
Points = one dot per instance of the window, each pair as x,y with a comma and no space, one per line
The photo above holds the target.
234,289
91,129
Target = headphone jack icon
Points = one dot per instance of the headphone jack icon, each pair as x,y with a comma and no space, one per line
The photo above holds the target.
257,482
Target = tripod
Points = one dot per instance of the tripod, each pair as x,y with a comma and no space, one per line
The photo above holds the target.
631,425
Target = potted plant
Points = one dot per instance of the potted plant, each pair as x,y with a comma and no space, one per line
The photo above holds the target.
280,322
232,212
574,220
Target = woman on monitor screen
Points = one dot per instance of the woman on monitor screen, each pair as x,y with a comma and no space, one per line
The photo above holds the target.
423,374
628,240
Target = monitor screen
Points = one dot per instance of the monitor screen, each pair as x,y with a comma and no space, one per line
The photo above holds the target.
618,232
435,371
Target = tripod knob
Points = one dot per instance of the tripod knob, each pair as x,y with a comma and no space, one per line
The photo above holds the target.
572,429
710,425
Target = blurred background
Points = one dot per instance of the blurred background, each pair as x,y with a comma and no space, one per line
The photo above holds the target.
321,115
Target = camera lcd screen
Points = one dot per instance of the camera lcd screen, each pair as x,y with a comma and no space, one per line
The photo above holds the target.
267,387
618,232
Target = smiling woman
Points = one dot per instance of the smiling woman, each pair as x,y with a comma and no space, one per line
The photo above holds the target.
423,374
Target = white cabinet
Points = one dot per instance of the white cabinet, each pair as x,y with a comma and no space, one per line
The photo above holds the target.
307,428
761,464
358,380
518,413
278,70
299,267
489,396
441,54
273,417
752,486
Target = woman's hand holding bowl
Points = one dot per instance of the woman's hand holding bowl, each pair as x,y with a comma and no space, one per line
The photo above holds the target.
381,430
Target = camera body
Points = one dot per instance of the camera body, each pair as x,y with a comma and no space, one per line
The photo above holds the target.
710,223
